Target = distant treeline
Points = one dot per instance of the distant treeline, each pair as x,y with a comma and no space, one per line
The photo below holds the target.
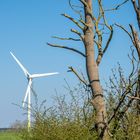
7,129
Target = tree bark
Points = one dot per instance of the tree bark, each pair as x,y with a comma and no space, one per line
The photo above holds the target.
136,40
137,10
93,75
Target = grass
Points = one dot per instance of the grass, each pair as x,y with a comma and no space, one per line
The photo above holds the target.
9,136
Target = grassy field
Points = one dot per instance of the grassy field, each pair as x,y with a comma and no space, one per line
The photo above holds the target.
9,136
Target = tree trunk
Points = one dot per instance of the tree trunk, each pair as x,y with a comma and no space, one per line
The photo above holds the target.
93,75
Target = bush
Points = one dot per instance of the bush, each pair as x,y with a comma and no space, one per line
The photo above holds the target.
70,118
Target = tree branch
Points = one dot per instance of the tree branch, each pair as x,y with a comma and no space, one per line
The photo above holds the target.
118,6
137,10
65,47
76,11
124,94
78,33
61,38
133,97
109,39
101,52
84,3
120,26
73,20
88,9
83,23
136,41
98,43
78,76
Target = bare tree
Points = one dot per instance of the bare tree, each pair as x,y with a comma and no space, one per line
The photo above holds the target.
94,30
91,35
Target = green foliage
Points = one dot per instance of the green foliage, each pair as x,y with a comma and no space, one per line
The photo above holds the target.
72,115
125,124
9,136
70,119
128,128
52,129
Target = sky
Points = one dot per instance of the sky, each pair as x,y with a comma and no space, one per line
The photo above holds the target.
25,27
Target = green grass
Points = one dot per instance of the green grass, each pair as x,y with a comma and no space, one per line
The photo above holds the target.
9,136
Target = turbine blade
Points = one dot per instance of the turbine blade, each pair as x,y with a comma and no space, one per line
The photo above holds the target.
43,75
27,92
21,66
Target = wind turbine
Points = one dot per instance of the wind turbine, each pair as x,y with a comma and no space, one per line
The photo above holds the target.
29,77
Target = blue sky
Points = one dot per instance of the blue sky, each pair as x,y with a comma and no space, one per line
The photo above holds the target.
25,27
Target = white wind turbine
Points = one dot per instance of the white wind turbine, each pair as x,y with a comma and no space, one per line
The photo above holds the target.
28,91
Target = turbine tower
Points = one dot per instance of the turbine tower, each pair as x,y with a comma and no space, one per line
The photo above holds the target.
29,77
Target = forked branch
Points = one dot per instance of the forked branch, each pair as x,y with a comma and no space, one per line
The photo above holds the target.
102,52
88,9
